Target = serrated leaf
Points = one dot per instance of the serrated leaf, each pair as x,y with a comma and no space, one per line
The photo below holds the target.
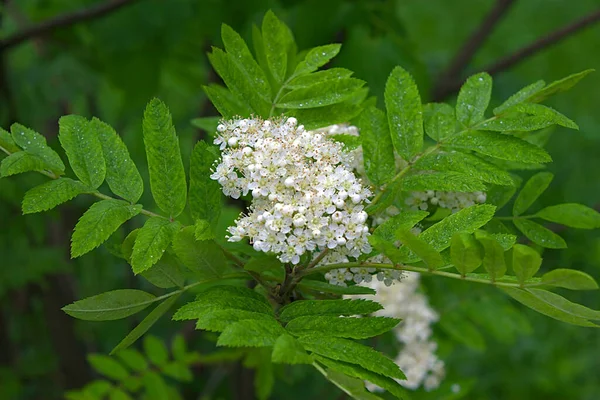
317,57
501,195
350,142
323,287
51,194
155,350
569,279
493,256
444,181
503,147
532,189
151,242
525,262
34,143
378,151
166,273
111,305
20,162
315,118
266,264
146,324
352,328
558,86
351,352
439,120
122,175
353,387
473,99
202,230
83,149
219,320
7,142
344,307
241,56
356,371
520,97
321,94
571,214
506,240
205,193
205,259
100,221
318,77
405,114
420,248
277,40
226,103
287,350
465,252
108,366
405,220
133,359
167,176
554,306
251,333
467,164
539,235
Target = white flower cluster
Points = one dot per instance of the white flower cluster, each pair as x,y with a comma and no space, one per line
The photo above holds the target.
417,359
454,201
305,196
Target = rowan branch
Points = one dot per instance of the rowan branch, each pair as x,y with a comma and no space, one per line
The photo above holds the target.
464,56
61,21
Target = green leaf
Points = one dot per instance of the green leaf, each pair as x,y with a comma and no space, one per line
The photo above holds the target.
405,220
421,248
323,287
569,279
318,77
266,264
506,240
83,149
166,273
226,103
315,118
352,328
155,350
559,86
177,371
35,144
205,193
571,214
439,120
473,99
205,259
146,324
321,94
405,114
503,147
122,175
462,330
344,307
108,366
378,151
493,256
525,262
316,58
277,40
133,359
167,177
207,124
151,242
100,221
240,54
520,97
118,394
465,253
554,306
532,189
351,352
202,230
51,194
251,333
7,142
539,235
111,305
444,181
467,164
20,162
155,385
353,387
287,350
219,320
356,371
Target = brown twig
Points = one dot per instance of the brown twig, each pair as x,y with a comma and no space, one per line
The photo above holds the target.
471,46
61,21
527,51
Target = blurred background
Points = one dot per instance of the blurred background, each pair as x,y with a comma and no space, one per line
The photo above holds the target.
111,57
